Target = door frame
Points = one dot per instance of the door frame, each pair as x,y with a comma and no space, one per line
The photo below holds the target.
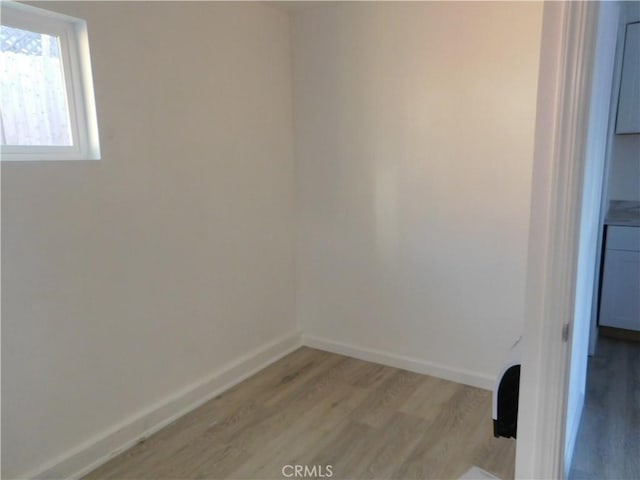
564,88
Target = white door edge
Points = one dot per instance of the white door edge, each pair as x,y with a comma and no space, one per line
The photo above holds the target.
566,62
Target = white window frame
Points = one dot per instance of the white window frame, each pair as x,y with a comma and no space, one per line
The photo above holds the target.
78,79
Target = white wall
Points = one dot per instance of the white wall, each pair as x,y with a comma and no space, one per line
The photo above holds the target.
127,279
414,146
624,155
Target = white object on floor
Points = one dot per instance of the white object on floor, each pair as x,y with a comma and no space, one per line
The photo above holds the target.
475,473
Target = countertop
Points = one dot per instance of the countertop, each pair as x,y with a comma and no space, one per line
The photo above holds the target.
623,212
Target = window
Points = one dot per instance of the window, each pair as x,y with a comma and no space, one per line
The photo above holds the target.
47,106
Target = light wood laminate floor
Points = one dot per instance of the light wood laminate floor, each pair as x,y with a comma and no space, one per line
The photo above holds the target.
608,442
365,420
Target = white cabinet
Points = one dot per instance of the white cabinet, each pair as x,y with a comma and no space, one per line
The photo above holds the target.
628,120
620,302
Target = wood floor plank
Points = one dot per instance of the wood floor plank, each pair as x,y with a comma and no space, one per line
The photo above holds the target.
203,457
286,451
608,439
322,392
631,449
430,397
349,452
393,446
437,455
311,430
368,375
311,408
326,376
291,385
280,378
386,399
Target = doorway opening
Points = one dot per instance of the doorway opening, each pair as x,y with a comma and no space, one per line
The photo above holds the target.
603,404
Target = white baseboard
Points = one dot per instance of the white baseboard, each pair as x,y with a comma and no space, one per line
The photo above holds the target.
98,450
459,375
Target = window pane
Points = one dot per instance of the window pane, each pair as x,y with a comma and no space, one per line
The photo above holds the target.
33,101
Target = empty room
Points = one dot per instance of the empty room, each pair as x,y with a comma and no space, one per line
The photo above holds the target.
270,240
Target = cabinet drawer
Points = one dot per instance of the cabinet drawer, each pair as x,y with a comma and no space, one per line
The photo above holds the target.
623,238
620,306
